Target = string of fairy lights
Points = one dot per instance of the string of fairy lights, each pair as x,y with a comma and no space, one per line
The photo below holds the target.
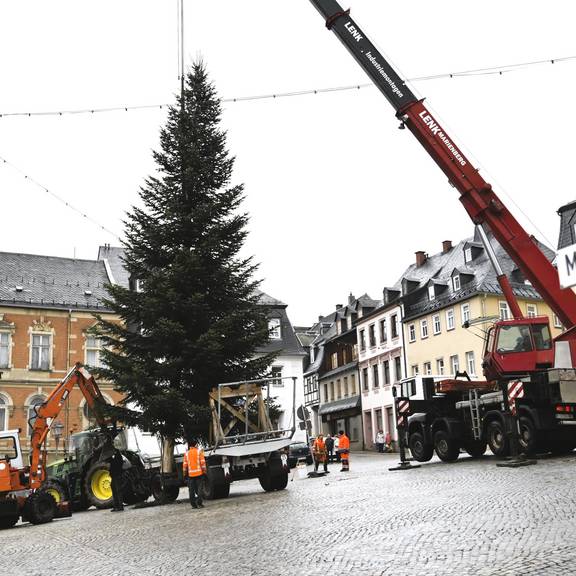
495,70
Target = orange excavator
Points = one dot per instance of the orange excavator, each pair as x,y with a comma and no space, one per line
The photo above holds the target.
22,491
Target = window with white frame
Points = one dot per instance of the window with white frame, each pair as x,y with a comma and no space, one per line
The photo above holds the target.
375,378
3,414
465,309
4,349
362,340
440,366
423,328
394,325
557,323
504,310
427,368
397,369
470,363
276,376
431,292
411,332
454,364
456,282
468,254
365,384
274,329
372,335
450,319
386,372
93,351
41,352
33,405
383,330
436,323
531,310
415,369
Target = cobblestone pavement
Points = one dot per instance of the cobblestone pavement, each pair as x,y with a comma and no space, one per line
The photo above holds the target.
468,518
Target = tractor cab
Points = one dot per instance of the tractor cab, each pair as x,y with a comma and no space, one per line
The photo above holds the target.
10,458
516,347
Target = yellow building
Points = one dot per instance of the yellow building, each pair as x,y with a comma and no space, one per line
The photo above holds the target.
458,286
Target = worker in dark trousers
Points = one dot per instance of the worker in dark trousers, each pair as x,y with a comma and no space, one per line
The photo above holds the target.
194,467
116,464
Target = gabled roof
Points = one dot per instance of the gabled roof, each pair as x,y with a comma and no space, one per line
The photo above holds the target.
440,267
33,280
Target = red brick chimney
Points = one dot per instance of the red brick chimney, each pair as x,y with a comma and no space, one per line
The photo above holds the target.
446,246
421,258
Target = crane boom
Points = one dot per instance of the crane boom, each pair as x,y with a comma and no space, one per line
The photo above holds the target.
476,195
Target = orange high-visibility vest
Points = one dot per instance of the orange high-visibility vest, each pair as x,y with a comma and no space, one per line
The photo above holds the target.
344,443
194,463
319,449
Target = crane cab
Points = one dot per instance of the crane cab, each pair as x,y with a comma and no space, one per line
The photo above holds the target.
517,347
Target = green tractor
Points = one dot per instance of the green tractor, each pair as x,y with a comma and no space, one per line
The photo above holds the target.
85,473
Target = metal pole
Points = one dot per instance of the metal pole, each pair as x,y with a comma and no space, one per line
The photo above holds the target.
293,404
246,411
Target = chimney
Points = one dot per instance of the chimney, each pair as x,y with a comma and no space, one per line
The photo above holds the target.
351,298
446,246
338,306
421,258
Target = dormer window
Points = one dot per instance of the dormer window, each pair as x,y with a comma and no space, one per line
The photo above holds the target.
456,283
468,254
274,329
431,292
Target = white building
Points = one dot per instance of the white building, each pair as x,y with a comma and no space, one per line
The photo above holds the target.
380,364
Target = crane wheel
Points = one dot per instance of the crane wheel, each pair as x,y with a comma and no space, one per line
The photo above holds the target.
447,449
527,437
421,451
98,486
39,508
475,448
497,438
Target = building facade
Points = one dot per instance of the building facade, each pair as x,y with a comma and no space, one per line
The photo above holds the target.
47,308
381,364
451,299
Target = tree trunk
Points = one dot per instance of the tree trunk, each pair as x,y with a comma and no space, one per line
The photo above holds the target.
168,455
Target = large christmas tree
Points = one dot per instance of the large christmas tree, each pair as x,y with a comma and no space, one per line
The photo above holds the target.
191,319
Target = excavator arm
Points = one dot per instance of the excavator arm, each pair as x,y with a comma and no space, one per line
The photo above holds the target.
47,412
476,195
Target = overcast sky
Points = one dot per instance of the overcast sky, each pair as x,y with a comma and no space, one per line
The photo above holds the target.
339,198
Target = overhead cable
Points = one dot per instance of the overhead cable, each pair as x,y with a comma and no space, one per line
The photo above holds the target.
60,199
496,70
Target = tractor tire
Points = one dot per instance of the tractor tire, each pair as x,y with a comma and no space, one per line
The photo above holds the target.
420,450
280,481
39,508
527,438
9,512
214,485
475,448
55,489
446,448
164,493
497,440
98,486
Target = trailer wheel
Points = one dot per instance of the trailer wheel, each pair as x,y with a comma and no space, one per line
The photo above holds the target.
214,484
39,508
164,493
98,486
497,438
446,448
527,437
421,451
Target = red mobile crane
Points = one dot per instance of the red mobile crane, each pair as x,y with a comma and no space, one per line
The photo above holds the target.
541,372
21,493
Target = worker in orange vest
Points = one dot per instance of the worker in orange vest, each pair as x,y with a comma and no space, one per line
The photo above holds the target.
344,450
194,467
320,453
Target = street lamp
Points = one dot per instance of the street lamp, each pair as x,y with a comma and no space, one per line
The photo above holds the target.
57,429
